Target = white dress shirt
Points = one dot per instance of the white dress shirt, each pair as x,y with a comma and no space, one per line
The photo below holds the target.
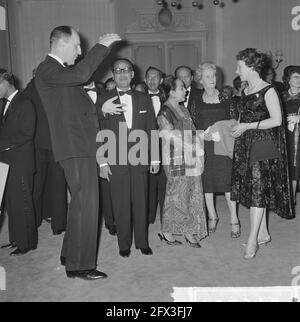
186,102
10,98
156,102
127,99
91,91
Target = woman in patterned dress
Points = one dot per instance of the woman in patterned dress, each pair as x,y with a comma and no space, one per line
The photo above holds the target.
291,105
259,185
184,209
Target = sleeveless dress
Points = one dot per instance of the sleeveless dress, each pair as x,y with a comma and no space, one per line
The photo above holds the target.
184,207
217,168
291,105
262,184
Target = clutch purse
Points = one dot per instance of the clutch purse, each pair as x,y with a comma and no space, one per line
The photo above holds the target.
263,150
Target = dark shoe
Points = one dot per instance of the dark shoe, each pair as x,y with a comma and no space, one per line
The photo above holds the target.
91,275
195,245
19,252
63,260
125,253
9,246
146,251
58,232
162,237
112,229
236,234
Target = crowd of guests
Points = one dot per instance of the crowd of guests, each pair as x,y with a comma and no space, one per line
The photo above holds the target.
48,137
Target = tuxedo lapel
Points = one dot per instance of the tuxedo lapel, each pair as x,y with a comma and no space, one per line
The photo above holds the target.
121,117
10,109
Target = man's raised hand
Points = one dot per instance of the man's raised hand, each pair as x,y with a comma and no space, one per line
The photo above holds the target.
109,39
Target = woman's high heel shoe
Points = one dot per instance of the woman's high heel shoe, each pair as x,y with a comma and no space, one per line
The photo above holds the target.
212,228
251,255
162,238
264,242
195,245
236,234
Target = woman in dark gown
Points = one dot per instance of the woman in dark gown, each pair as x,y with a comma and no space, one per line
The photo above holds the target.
210,107
259,185
291,105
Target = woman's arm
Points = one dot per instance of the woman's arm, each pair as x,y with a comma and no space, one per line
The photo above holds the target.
275,119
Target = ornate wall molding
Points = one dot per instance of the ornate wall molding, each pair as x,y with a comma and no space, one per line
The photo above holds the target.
148,20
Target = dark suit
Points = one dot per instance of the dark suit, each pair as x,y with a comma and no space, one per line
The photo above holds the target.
74,124
129,183
50,187
157,183
17,150
194,92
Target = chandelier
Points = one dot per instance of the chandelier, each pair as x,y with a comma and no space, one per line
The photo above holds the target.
200,4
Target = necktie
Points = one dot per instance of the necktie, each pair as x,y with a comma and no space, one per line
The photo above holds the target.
121,93
186,96
153,95
91,90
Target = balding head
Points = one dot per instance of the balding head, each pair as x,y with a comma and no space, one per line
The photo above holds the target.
65,43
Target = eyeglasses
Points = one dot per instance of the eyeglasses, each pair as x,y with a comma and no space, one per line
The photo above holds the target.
122,70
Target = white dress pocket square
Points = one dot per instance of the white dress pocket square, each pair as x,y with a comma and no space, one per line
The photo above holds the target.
141,112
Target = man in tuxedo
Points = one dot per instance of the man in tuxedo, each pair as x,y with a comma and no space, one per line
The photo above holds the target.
157,182
106,202
74,124
50,187
185,74
17,150
128,182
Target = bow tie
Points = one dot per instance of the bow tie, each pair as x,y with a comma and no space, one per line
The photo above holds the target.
91,90
129,92
153,95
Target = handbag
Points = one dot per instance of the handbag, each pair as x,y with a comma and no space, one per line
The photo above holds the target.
263,150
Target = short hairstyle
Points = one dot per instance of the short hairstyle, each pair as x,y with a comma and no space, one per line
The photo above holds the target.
170,84
185,67
61,32
202,67
5,75
156,69
254,59
288,72
121,59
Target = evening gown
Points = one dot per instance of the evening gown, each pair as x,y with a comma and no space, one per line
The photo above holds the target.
291,105
217,169
262,184
184,208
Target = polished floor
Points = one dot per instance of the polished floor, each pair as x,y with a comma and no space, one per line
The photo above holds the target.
38,276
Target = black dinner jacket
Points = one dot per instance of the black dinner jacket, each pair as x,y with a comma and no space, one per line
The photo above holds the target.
71,114
143,118
195,92
42,135
17,134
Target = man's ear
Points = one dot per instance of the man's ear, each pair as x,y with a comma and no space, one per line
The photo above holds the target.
161,81
132,75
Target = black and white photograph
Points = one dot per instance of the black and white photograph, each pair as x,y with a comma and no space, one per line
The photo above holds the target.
149,153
